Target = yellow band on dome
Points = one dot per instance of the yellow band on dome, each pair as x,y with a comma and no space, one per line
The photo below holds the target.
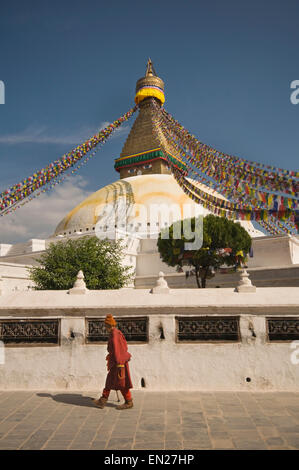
149,92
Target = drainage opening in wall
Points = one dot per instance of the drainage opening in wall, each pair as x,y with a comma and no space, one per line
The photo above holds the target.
248,379
142,383
72,334
161,331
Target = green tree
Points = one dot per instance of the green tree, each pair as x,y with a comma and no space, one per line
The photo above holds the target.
224,243
100,261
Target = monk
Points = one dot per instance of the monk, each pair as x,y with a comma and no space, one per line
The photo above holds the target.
118,377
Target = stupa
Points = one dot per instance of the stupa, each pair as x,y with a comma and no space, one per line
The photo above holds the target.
145,179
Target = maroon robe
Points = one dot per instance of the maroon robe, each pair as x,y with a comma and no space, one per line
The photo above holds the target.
118,354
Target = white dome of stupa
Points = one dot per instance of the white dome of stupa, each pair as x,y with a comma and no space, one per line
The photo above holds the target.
143,204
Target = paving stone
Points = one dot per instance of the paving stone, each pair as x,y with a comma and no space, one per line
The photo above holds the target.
268,431
23,428
123,432
151,414
152,446
213,412
240,423
8,447
215,420
219,435
173,436
173,445
193,426
190,435
218,429
98,445
127,419
293,408
151,426
275,441
36,445
283,421
226,413
249,445
84,436
197,444
288,429
196,433
245,433
173,419
80,446
271,412
120,443
222,444
290,439
57,445
261,421
147,436
15,443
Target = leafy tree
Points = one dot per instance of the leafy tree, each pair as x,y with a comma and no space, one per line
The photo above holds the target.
224,242
100,261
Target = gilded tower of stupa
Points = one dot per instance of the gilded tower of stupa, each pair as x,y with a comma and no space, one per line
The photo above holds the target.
141,153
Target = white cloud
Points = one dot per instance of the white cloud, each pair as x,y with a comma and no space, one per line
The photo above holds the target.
39,218
42,135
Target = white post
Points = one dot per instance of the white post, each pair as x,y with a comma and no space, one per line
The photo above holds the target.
245,284
161,286
79,286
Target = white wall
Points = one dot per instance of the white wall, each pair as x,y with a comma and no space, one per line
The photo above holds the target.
294,249
14,277
164,364
270,252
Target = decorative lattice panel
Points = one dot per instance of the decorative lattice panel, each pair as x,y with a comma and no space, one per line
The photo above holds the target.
29,331
134,329
208,328
283,328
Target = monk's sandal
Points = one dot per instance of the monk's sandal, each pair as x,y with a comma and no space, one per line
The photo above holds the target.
100,402
126,405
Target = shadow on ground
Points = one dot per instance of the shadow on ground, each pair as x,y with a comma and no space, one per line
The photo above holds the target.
74,399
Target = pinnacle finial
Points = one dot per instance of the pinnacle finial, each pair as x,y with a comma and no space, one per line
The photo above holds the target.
245,284
161,286
79,286
150,71
150,86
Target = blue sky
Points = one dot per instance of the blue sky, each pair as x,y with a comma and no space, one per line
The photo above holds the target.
70,66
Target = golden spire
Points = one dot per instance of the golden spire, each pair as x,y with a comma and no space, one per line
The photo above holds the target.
150,71
150,86
141,153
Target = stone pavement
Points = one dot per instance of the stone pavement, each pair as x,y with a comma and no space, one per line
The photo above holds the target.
159,420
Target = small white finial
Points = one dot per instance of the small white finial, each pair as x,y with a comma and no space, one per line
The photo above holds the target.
161,286
79,285
245,284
